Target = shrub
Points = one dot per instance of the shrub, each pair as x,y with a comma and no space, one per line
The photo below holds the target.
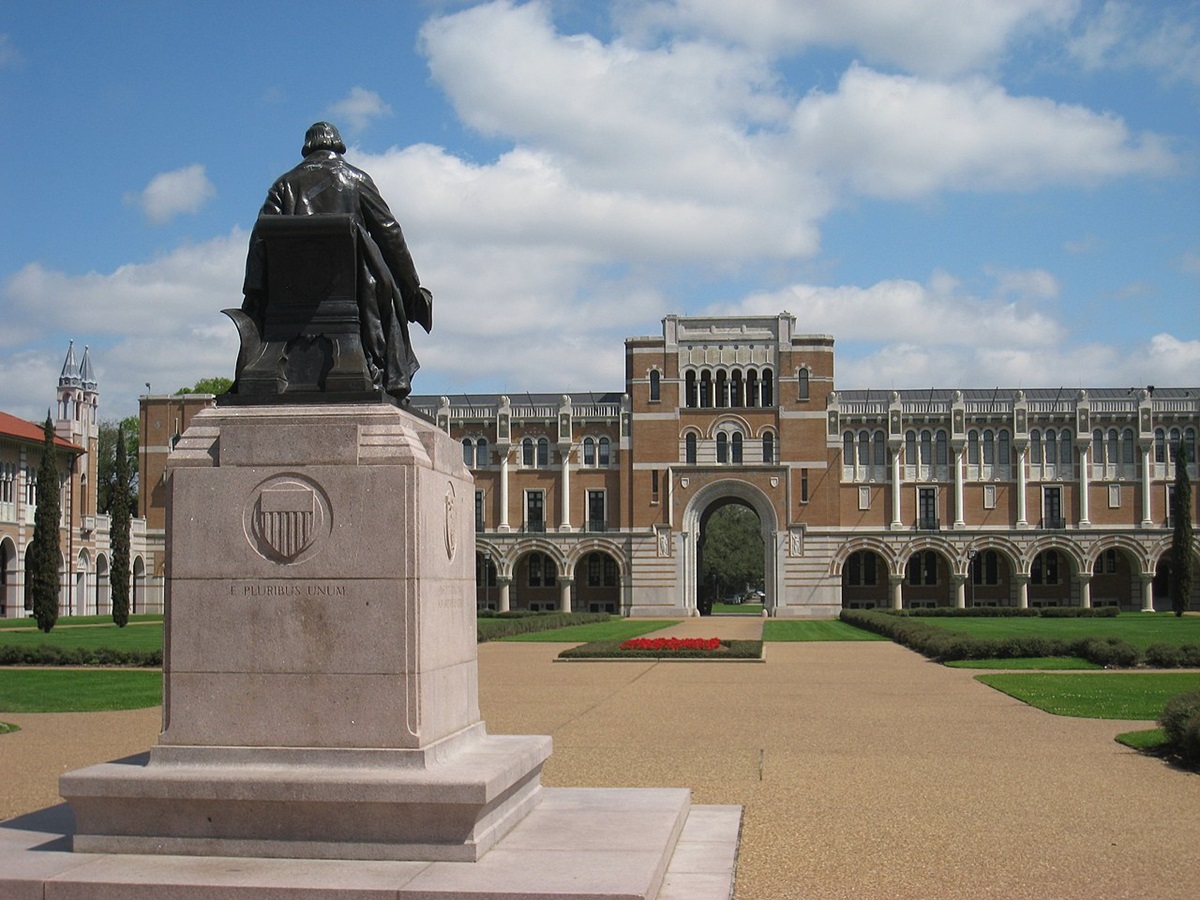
54,655
1180,719
1109,652
508,624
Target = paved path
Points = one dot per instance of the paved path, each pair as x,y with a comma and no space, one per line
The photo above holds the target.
865,771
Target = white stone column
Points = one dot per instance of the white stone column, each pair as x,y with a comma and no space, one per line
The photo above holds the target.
565,515
1147,521
1147,592
896,478
1085,455
502,605
896,584
960,591
1022,515
959,521
564,594
1022,591
1085,591
503,525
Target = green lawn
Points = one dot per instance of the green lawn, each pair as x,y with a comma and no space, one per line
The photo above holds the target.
1104,695
1140,629
613,630
1029,662
737,609
28,622
78,690
69,635
783,630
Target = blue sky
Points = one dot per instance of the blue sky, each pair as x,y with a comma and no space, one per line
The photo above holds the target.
965,193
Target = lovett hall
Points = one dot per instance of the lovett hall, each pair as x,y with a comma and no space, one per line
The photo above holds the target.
954,497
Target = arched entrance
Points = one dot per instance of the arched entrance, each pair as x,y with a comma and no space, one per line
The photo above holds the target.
597,583
103,590
865,581
137,598
8,578
708,500
487,590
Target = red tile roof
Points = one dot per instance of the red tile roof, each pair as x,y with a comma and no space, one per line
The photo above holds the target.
11,426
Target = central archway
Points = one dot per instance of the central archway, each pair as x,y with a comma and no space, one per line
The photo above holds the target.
707,500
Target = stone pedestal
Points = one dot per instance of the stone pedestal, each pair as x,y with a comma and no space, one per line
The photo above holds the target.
321,688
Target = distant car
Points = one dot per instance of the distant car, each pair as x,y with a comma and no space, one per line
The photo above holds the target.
755,597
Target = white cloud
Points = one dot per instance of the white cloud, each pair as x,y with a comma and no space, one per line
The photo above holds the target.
168,194
359,108
1160,38
936,37
901,137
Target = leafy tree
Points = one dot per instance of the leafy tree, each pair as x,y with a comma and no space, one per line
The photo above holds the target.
732,558
120,512
1183,567
107,452
44,554
218,384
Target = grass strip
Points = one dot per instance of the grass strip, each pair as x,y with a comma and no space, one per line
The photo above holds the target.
612,650
1148,741
1103,695
28,623
612,630
76,690
1139,629
737,609
8,728
785,630
145,638
1034,662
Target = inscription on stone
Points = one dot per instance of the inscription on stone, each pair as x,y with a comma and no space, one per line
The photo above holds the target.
287,589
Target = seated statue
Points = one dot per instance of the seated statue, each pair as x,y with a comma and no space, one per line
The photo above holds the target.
329,293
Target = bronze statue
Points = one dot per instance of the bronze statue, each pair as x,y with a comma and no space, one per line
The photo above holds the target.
329,293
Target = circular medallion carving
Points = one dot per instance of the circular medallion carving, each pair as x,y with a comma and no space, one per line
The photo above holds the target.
287,519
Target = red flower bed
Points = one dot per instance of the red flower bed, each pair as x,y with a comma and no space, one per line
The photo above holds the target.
670,644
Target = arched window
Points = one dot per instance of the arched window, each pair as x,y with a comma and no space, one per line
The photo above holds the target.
1189,441
737,389
910,448
722,447
468,452
1127,445
1175,440
973,447
864,448
481,452
689,389
848,448
989,447
940,448
1051,446
1098,447
768,388
654,384
802,381
736,443
768,447
722,388
1003,450
543,452
880,446
926,447
751,387
689,448
1035,446
602,451
527,451
1065,450
1160,445
706,389
589,451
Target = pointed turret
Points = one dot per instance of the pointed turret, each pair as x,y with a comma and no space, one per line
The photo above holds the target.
86,376
70,370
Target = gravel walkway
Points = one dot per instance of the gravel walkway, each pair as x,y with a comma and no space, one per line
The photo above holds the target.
865,771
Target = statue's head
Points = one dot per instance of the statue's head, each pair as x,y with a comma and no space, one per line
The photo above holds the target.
322,136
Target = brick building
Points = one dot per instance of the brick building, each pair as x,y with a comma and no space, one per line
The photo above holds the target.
599,501
84,587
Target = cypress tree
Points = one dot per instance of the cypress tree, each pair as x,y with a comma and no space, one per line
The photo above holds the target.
1183,567
44,553
119,516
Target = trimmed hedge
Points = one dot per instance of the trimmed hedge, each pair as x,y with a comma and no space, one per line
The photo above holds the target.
612,650
1008,612
53,655
1180,720
945,646
502,625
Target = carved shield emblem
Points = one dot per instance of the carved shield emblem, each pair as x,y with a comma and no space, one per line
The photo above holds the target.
286,518
451,522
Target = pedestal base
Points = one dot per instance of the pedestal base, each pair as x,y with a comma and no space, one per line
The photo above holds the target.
578,844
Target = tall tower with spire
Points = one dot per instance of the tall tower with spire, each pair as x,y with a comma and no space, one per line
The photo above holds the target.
78,421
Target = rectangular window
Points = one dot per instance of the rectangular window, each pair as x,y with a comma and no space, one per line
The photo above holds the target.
535,510
1052,513
479,510
804,485
927,517
596,518
610,572
535,570
593,570
654,486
